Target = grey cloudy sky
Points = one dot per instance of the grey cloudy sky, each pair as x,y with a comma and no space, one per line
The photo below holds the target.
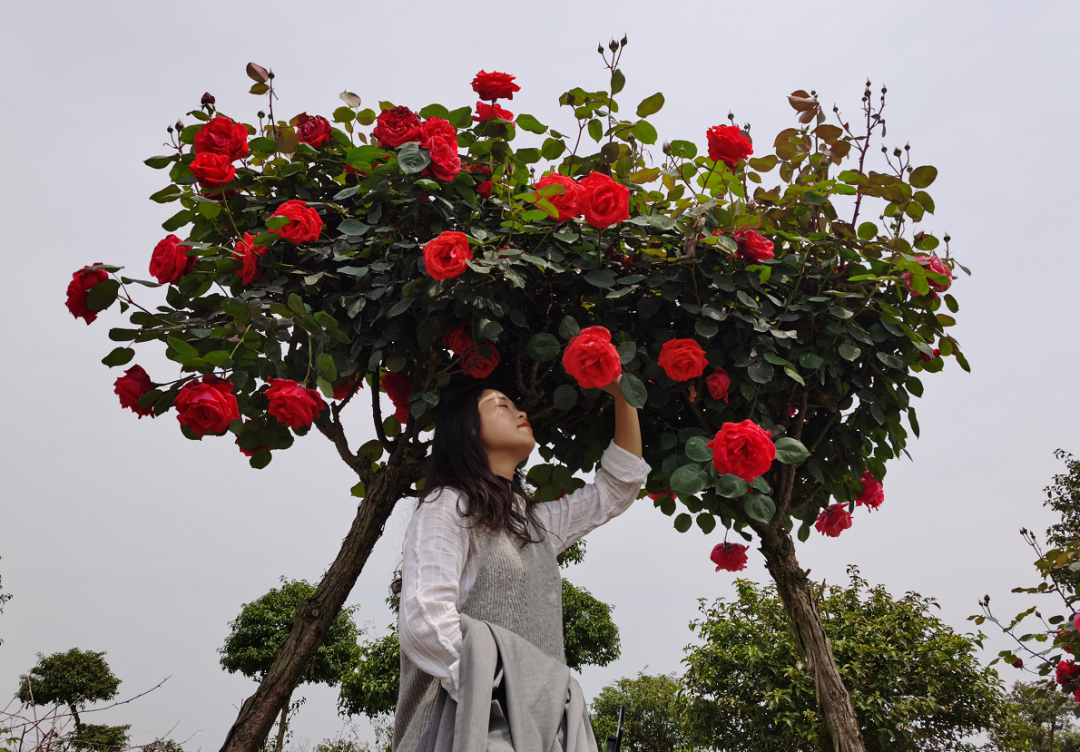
120,535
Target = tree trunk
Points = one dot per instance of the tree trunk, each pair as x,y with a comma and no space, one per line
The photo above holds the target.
795,591
314,617
283,724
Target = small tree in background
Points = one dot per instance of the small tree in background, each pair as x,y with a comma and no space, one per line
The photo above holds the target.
916,684
655,719
75,679
1037,720
261,628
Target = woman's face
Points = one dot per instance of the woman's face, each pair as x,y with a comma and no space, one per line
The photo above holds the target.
505,432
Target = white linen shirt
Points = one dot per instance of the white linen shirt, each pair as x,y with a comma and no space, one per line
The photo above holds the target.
439,564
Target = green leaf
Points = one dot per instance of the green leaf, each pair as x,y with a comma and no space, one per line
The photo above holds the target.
461,117
118,357
790,451
892,361
794,375
922,177
731,486
353,226
435,110
159,163
810,361
684,149
412,159
208,210
569,328
627,351
602,278
760,371
171,192
867,231
296,303
102,295
644,132
183,353
596,130
650,105
346,193
261,458
565,397
531,124
552,148
178,220
683,522
759,507
544,347
618,81
633,390
264,145
848,351
706,522
218,359
688,480
697,449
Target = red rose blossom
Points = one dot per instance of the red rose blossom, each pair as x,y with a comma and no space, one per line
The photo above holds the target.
743,450
494,85
223,137
305,223
169,261
439,137
936,265
872,494
207,406
569,203
313,130
591,359
753,246
1068,673
478,366
604,202
718,382
729,556
457,340
446,254
483,190
487,112
130,387
834,520
396,127
247,253
682,359
78,287
399,389
728,145
212,170
927,358
292,404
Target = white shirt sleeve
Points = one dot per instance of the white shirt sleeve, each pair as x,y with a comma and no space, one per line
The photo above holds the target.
615,487
435,554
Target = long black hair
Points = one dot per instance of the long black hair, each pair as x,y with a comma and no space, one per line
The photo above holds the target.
458,461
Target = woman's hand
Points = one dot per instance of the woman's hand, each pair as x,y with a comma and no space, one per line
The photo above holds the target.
627,430
613,388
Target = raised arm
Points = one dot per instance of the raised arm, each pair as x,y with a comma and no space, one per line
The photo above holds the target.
627,428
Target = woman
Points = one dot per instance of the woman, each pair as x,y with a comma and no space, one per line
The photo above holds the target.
478,546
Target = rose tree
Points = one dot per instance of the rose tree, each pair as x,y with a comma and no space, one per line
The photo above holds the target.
772,335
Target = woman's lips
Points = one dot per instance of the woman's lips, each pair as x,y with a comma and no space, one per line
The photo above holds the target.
526,424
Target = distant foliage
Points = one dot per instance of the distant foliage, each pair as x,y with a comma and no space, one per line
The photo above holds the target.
590,636
655,719
74,678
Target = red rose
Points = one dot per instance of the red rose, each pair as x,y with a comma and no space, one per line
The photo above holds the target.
130,387
569,203
753,246
494,85
483,190
872,493
169,261
446,254
487,111
742,450
341,391
936,265
398,388
457,341
476,365
591,359
396,127
80,284
729,556
223,137
1068,672
213,170
249,452
927,359
439,137
718,383
662,494
834,520
207,406
292,404
305,223
314,130
605,202
249,254
728,145
682,359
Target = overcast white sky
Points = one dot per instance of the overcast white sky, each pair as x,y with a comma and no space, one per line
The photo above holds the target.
120,535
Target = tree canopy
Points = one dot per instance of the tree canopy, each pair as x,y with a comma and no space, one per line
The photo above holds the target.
74,678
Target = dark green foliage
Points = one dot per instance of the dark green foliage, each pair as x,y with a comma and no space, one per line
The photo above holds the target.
371,688
98,738
916,684
262,626
74,678
655,718
1063,496
590,636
